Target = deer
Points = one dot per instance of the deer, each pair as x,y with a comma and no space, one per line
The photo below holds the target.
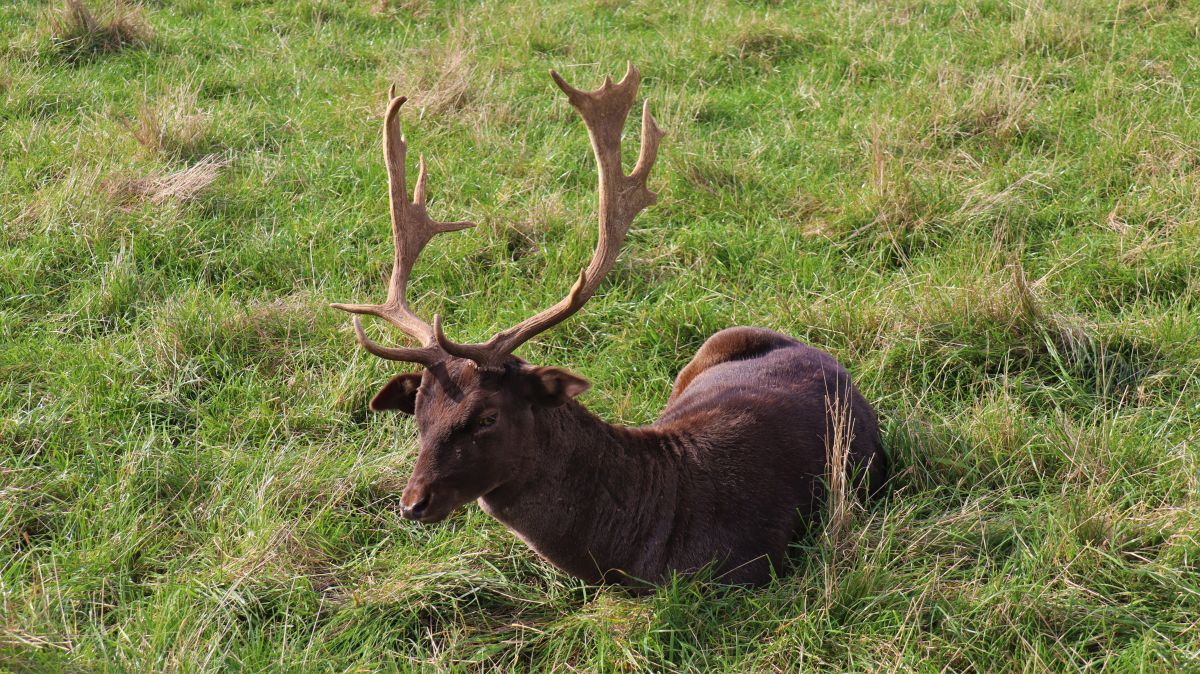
730,473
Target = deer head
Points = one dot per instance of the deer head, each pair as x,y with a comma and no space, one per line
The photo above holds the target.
475,404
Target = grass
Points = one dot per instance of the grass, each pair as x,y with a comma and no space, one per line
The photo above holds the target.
987,210
76,33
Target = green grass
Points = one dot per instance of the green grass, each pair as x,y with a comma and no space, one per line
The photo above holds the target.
990,212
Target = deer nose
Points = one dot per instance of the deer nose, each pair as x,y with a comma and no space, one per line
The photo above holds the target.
416,510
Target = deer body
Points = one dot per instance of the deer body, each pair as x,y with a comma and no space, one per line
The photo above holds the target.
727,475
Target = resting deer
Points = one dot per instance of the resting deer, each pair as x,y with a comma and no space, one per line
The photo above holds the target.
724,479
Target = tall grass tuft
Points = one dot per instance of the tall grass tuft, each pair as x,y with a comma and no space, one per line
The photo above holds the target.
839,505
172,126
77,33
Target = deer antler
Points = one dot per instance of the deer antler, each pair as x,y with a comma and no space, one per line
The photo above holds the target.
622,197
412,228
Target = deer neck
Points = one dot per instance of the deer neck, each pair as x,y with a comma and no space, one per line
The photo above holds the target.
600,501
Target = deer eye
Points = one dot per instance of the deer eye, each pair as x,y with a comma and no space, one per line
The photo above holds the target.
486,420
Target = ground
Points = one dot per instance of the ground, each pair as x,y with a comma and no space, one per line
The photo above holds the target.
988,211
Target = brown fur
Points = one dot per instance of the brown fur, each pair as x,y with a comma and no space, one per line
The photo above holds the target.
727,476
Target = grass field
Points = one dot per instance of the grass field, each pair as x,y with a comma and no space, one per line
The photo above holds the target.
988,211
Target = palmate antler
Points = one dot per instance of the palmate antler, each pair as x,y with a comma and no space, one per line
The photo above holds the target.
412,228
622,197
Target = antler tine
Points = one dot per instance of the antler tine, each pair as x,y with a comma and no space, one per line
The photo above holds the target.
412,228
621,197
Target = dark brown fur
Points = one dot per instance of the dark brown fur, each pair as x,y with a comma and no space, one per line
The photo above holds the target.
727,476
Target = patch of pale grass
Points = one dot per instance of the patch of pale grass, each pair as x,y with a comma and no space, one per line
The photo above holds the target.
1047,31
839,433
995,424
305,485
173,126
1000,106
809,214
1002,208
275,553
841,535
76,200
100,305
180,186
414,8
1158,237
77,32
766,44
526,231
1003,301
440,79
723,178
17,636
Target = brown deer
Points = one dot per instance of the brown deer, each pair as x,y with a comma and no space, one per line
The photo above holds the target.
724,479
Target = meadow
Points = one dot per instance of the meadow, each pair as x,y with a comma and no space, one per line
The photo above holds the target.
988,211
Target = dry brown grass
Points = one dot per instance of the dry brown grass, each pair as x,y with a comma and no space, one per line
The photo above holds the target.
76,32
1051,32
1003,299
839,434
438,80
525,233
181,186
1002,208
1000,106
16,636
174,126
59,201
840,505
415,8
722,179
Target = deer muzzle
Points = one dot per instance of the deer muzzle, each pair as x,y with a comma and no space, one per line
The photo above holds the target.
414,503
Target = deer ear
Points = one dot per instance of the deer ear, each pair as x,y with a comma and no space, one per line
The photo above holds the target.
551,386
400,394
